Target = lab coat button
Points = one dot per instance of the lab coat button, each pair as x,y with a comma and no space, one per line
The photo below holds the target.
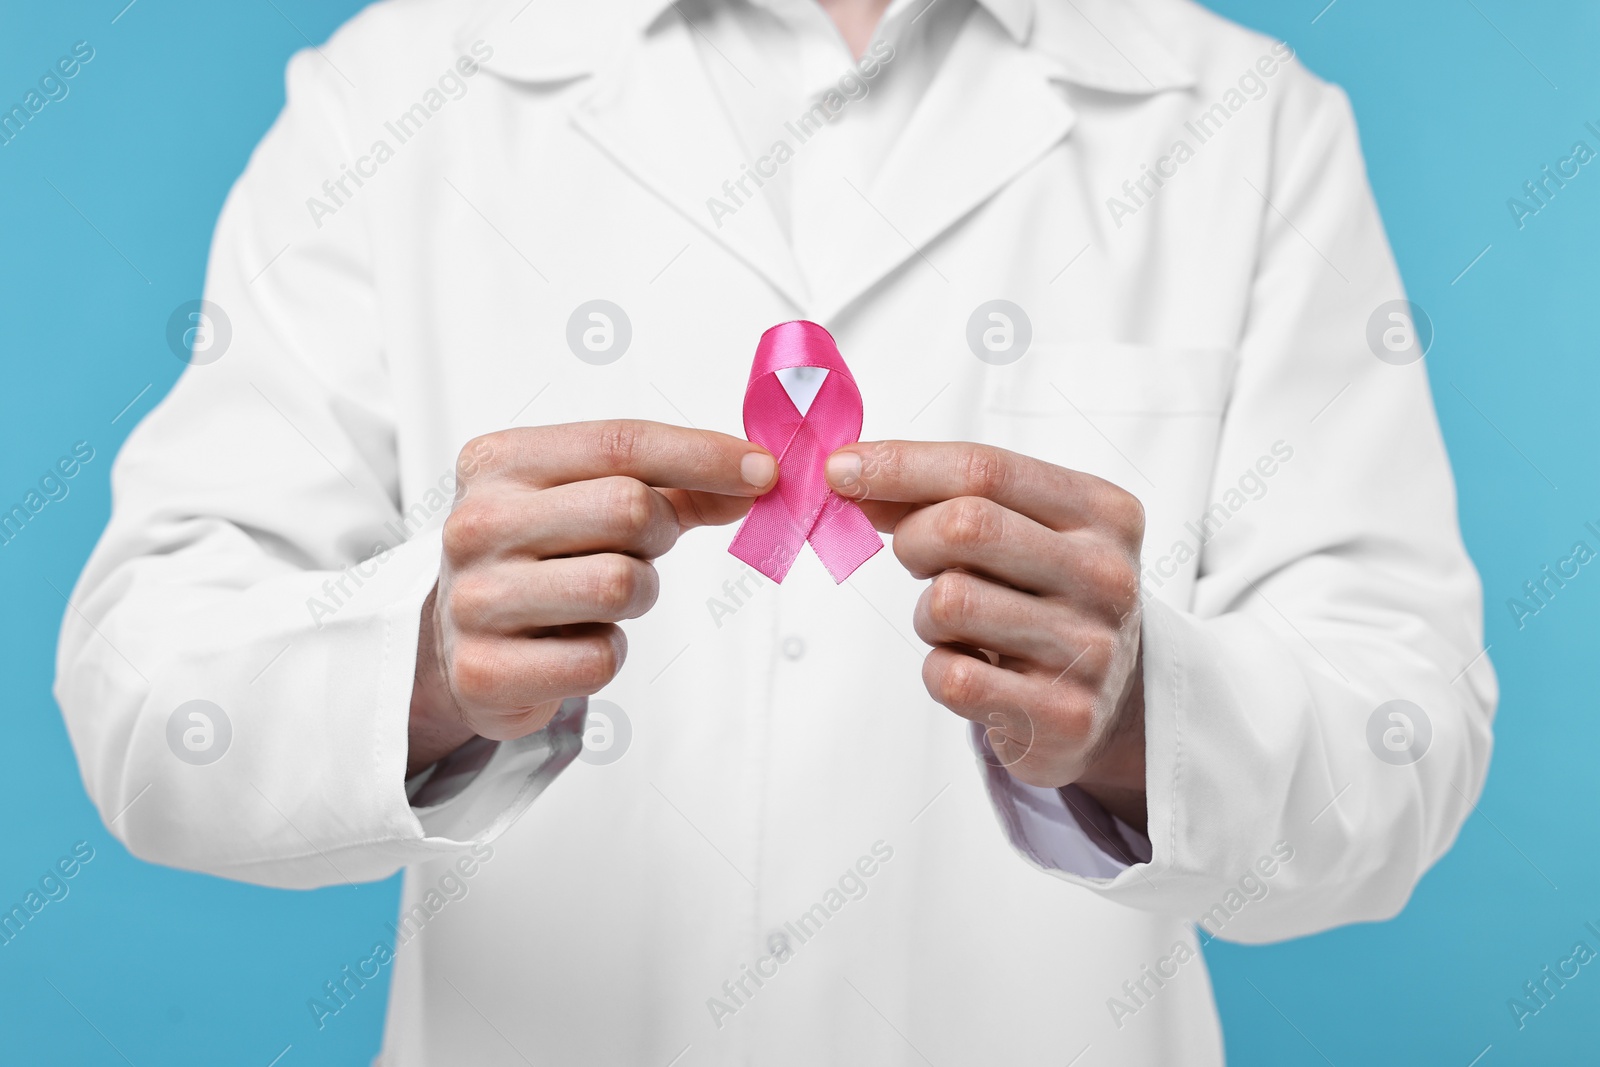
778,945
793,647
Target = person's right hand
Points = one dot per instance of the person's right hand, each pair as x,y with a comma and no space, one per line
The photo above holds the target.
546,549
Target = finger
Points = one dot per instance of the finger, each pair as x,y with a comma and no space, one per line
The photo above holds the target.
974,688
521,596
925,472
1054,734
603,515
971,533
655,453
505,683
1044,635
706,509
885,515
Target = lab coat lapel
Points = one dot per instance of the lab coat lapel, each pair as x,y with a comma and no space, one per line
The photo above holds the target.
656,116
990,112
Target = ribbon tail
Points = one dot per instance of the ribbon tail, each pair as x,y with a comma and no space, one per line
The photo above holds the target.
767,540
843,537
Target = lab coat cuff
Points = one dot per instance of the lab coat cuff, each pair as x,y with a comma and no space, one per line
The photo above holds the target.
1058,830
1198,800
1183,667
355,820
478,793
474,795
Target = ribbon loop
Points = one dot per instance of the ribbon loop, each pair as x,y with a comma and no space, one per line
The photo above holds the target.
802,507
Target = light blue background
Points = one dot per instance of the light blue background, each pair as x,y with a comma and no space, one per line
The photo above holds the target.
177,969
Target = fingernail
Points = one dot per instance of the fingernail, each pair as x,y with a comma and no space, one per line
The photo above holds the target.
844,468
757,468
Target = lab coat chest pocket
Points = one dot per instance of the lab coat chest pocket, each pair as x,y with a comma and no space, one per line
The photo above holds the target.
1146,418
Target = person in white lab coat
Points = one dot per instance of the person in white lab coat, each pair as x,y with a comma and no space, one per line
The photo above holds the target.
1146,425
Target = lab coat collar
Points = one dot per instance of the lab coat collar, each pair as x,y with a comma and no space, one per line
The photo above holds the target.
1106,45
1015,15
1098,44
658,118
991,112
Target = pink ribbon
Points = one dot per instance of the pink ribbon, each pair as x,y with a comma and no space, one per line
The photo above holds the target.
802,507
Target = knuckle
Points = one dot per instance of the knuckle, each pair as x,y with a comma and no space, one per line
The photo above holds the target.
612,583
984,471
969,522
1075,723
1113,580
471,529
1136,518
594,663
911,545
511,723
1094,662
950,599
471,597
1029,771
1126,515
1126,601
959,683
628,508
477,675
619,443
477,455
1069,718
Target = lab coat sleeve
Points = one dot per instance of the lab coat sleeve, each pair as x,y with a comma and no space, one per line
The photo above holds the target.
1281,800
1057,829
258,559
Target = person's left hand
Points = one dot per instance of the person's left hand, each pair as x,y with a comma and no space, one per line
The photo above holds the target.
1033,609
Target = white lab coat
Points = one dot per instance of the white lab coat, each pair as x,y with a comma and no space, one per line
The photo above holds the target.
1216,329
